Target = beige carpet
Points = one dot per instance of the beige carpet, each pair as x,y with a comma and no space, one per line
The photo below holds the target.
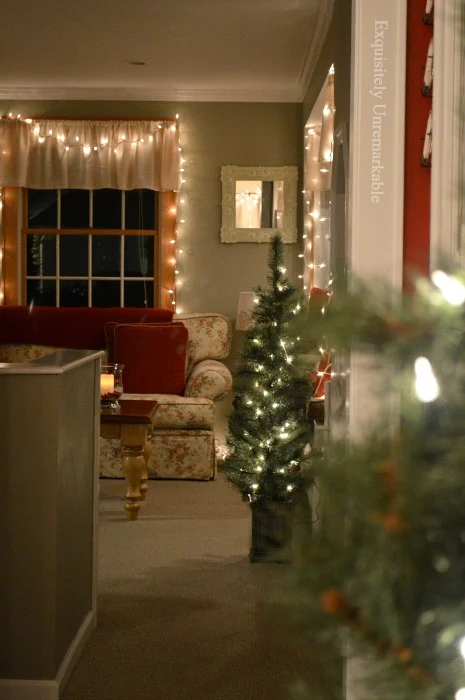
182,613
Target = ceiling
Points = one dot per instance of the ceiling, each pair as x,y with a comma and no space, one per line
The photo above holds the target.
190,50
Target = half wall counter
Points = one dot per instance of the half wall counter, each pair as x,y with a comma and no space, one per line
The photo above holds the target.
49,456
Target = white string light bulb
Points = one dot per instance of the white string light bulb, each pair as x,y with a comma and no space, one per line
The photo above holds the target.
462,647
452,290
426,384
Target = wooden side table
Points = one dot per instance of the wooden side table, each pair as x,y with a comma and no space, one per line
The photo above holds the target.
131,425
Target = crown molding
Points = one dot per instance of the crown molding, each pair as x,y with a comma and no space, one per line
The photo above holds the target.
323,21
153,94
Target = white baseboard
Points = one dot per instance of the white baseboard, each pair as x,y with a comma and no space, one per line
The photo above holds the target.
17,689
75,650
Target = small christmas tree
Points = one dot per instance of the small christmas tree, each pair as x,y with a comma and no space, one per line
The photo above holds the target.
268,431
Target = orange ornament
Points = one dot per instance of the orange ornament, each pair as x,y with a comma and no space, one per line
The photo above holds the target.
333,601
393,522
404,655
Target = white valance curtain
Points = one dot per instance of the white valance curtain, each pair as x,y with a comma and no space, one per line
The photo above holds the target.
81,154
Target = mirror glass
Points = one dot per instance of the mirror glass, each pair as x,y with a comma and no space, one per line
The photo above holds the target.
259,204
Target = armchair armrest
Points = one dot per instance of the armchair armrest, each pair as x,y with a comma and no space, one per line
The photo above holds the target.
209,379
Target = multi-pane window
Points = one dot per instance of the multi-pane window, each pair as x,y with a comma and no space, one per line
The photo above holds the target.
91,247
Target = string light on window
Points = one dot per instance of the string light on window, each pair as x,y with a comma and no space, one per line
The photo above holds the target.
101,143
115,142
180,210
175,211
318,160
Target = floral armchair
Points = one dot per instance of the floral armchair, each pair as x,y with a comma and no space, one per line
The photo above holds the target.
183,439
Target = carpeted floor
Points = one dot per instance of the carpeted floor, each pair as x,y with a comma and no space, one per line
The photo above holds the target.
182,613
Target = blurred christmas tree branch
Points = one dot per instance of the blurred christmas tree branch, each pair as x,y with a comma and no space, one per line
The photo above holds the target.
384,580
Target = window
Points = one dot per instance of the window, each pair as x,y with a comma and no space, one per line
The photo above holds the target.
79,241
91,247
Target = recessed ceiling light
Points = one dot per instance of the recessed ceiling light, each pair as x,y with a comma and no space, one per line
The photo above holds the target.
135,63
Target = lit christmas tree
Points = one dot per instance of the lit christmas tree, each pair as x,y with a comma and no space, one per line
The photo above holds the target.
268,431
385,581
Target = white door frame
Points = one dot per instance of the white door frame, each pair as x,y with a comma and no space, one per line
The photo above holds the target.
376,196
376,185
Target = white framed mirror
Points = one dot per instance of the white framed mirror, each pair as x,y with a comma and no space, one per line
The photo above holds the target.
259,202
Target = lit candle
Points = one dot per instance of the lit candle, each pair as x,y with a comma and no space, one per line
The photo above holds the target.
107,384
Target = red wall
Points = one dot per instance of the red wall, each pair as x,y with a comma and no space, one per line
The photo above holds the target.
417,188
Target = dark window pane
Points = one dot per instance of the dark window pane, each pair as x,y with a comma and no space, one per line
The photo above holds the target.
138,256
73,293
106,293
138,294
74,208
140,209
42,208
41,292
107,209
74,256
41,255
106,256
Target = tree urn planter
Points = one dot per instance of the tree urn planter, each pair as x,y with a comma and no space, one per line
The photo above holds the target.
271,531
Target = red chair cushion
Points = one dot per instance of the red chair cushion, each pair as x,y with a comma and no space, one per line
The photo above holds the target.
154,357
110,333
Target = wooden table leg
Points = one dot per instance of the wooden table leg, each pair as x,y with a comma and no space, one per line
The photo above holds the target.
132,426
143,488
133,465
133,439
